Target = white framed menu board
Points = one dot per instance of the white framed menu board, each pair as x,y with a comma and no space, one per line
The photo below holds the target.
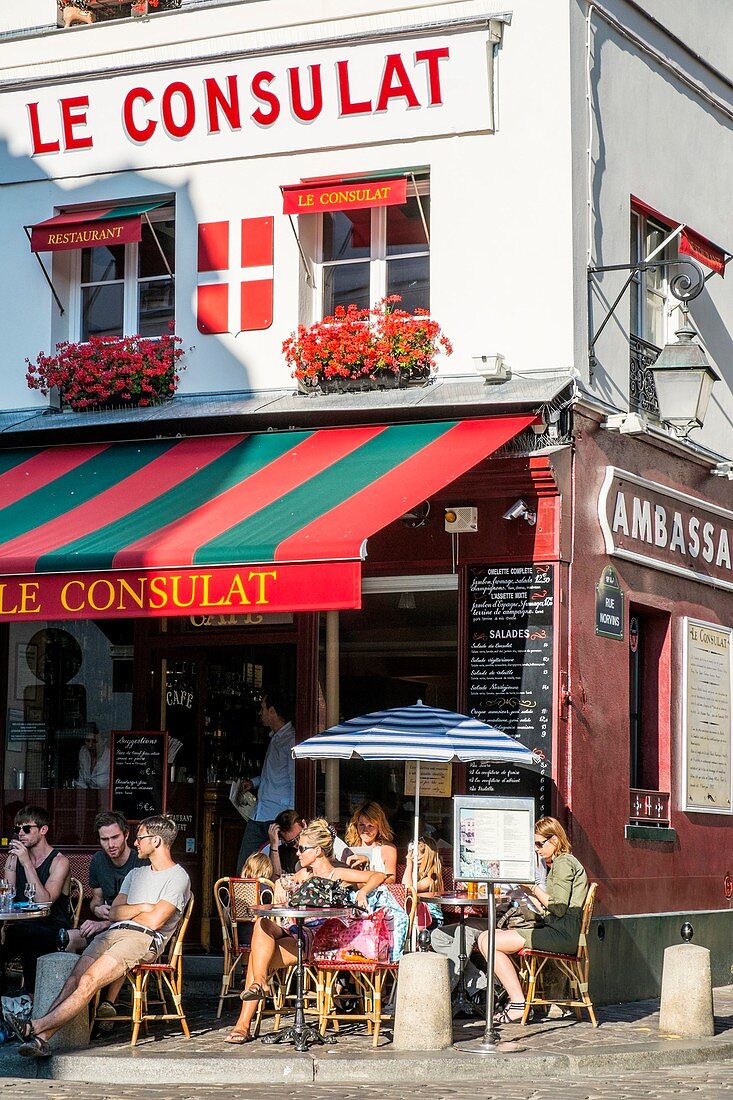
707,724
493,839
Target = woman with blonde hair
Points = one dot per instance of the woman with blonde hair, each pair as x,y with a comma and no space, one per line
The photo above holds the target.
370,837
429,877
562,904
275,947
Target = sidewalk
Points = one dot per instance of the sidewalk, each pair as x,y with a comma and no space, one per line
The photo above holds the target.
563,1048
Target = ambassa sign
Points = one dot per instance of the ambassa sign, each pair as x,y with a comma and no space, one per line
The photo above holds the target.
656,526
260,589
369,92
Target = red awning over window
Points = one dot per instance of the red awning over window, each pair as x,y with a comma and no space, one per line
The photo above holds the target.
691,243
345,194
90,228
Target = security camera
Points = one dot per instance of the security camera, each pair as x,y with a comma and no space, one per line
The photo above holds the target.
519,510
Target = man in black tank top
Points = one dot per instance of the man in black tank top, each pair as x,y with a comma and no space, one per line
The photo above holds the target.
32,859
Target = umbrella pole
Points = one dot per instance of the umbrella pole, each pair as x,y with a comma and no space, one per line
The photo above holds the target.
415,860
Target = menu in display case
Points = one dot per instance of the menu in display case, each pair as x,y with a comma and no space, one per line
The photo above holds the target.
509,620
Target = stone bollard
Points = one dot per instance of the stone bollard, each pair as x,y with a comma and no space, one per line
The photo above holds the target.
686,1006
423,1017
53,970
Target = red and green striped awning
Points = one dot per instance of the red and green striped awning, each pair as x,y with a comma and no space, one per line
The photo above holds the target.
102,226
278,521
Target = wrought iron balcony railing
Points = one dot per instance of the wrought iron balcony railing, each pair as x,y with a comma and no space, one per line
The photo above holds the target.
648,807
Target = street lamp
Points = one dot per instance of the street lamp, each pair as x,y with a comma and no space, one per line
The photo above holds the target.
684,380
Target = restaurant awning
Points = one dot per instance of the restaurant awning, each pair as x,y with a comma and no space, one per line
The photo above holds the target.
217,524
90,228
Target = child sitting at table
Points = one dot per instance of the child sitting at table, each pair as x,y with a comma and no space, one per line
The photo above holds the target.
429,880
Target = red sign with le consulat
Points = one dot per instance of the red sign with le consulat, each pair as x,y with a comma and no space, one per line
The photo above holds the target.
343,195
289,586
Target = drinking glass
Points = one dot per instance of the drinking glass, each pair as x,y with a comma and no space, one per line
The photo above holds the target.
30,892
4,890
288,884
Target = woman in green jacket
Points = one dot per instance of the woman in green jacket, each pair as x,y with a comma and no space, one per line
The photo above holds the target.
562,902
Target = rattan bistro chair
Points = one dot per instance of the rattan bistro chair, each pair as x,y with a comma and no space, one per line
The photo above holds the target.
234,899
373,980
573,967
168,973
76,900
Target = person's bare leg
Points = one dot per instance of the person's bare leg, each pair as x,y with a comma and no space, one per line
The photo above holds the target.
98,973
507,943
112,992
283,953
77,943
72,981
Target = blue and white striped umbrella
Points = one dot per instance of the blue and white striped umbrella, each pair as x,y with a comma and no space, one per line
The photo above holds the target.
414,733
419,733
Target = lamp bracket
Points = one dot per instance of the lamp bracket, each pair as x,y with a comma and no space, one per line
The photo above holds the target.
684,286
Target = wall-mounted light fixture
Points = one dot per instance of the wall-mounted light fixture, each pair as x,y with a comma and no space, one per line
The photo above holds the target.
520,510
684,380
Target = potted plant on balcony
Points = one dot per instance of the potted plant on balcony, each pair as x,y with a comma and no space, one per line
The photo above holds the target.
360,349
107,371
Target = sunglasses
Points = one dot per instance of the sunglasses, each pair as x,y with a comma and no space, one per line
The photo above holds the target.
307,847
541,843
25,828
292,843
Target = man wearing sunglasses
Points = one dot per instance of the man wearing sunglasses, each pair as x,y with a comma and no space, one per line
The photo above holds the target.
33,861
144,916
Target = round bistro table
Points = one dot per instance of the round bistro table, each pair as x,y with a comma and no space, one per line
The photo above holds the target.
301,1035
462,1003
23,911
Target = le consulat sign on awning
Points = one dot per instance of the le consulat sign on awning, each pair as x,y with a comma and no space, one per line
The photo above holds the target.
648,523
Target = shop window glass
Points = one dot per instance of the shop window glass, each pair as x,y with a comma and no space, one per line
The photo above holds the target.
400,647
69,686
649,698
650,297
127,289
368,254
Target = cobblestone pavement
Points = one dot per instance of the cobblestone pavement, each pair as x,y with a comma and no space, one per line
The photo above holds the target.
623,1026
707,1082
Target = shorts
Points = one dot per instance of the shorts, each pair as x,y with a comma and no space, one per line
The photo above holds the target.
124,944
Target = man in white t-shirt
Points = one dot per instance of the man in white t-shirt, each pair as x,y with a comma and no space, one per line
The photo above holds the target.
144,916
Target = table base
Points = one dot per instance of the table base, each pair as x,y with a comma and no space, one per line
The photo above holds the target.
301,1037
486,1047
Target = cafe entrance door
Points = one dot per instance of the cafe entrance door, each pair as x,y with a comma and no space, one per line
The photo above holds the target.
209,706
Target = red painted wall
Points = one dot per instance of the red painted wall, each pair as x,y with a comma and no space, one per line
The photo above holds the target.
635,876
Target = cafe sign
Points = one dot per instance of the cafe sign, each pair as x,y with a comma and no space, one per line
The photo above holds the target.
650,524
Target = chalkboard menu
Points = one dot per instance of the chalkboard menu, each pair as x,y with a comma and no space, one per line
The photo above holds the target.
510,672
138,773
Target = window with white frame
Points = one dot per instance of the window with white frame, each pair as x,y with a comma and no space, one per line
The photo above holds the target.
650,298
368,254
123,289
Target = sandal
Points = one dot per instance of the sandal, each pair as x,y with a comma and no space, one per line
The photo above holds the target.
239,1038
255,993
35,1047
21,1029
504,1016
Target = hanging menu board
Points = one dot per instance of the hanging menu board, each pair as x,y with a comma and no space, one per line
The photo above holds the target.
138,773
510,672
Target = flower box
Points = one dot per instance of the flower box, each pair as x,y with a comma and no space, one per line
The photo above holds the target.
109,371
366,349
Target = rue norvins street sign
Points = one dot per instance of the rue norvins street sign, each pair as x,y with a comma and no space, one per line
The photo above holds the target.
609,606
